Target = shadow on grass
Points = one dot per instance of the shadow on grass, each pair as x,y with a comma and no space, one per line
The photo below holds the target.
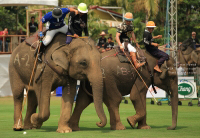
106,129
54,128
156,127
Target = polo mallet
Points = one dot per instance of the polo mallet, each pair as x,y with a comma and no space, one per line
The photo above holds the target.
140,76
32,74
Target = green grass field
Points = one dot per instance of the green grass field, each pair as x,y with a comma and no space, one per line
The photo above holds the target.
158,117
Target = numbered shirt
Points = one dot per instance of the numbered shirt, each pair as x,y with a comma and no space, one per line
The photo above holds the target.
125,31
55,23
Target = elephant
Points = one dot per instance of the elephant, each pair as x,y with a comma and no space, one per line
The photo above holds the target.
188,57
65,65
121,79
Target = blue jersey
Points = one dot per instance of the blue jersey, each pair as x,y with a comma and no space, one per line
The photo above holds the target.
54,22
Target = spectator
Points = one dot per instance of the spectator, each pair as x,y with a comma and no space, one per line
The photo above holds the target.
102,40
77,23
3,40
110,35
194,40
33,26
109,45
21,38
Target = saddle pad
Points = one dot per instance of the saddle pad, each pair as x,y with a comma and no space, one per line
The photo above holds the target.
121,56
140,55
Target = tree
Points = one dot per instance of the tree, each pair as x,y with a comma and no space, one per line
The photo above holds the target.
7,19
149,7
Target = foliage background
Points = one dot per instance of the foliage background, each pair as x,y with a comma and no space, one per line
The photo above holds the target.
188,16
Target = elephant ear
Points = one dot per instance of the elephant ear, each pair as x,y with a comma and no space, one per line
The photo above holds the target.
60,58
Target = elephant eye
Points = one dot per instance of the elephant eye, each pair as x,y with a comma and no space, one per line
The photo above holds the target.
83,63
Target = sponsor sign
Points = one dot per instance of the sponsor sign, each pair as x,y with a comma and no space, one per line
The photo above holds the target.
186,88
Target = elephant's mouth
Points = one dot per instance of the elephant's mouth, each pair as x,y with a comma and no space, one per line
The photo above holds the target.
80,77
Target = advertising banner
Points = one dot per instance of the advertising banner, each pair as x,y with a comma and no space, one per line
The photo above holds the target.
187,87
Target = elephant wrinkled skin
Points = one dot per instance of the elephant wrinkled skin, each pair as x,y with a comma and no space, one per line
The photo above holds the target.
121,79
80,60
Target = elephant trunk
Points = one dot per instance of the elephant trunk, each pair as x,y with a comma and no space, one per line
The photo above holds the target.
174,104
96,81
198,60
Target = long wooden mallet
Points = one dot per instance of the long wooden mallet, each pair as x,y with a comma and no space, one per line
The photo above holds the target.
140,76
32,74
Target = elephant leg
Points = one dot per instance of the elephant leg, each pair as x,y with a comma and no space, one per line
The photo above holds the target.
112,99
82,101
66,108
17,87
138,98
43,94
31,109
113,108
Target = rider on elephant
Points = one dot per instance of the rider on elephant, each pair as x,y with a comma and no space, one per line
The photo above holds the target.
152,47
77,23
123,30
194,40
56,25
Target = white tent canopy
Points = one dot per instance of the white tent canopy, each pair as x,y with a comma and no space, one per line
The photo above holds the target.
28,2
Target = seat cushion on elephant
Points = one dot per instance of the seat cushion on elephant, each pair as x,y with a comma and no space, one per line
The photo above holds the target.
194,56
121,56
140,55
32,40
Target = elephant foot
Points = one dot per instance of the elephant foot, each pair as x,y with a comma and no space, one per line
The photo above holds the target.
74,126
132,121
34,121
144,127
64,129
118,126
28,126
171,128
18,127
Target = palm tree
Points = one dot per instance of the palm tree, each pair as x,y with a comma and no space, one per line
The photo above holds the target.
123,3
151,7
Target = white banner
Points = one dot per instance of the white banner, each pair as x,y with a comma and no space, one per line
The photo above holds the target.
5,89
160,93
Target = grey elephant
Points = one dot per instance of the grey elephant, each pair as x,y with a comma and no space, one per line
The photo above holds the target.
121,79
188,57
67,63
